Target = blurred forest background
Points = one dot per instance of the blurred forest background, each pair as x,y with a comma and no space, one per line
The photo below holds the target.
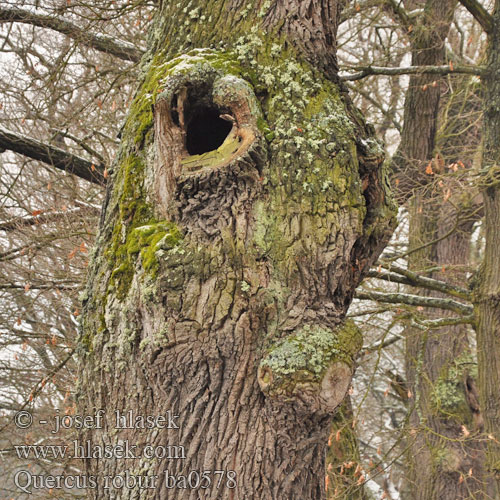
413,426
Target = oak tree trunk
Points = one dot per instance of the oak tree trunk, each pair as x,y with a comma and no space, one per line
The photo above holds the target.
486,285
246,203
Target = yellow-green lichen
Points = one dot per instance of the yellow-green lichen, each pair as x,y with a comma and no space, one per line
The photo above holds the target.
445,458
134,212
149,239
448,394
312,350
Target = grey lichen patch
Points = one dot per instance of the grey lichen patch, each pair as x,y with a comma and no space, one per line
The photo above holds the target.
315,361
314,182
304,112
198,66
160,338
234,92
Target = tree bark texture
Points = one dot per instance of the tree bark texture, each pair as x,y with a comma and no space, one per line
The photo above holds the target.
448,445
443,463
446,454
247,202
486,285
427,37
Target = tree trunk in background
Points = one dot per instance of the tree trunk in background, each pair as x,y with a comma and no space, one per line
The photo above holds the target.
246,203
443,463
446,462
486,285
345,475
427,35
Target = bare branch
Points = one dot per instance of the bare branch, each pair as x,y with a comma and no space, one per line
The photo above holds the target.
37,389
380,345
82,144
415,300
406,277
364,71
388,115
118,48
53,156
44,218
439,323
481,15
45,286
353,9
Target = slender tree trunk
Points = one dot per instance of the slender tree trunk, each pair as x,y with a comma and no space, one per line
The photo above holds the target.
442,463
418,137
487,282
247,201
447,454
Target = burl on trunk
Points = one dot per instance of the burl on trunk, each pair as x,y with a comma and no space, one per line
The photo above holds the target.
246,203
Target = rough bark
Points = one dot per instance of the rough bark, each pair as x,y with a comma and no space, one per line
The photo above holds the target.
486,284
446,460
223,272
443,462
427,38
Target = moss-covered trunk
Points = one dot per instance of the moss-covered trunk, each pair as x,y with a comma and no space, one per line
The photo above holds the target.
246,203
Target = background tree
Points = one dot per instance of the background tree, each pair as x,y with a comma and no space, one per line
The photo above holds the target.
445,240
61,102
486,288
437,359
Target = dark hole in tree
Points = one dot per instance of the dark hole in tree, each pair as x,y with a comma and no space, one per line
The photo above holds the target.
175,117
206,131
174,112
